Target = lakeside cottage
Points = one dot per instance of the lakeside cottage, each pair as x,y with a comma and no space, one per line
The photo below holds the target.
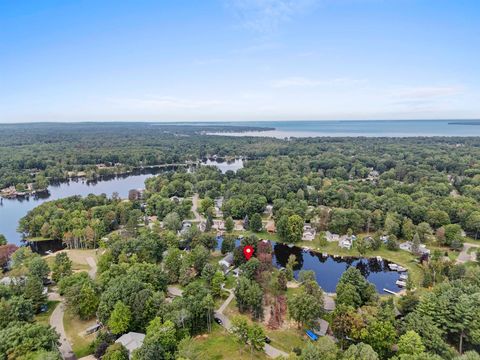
332,237
408,246
308,233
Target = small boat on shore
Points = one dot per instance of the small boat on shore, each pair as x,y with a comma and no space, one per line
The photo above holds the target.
393,267
401,283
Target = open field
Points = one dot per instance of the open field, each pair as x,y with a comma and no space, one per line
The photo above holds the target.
74,327
219,344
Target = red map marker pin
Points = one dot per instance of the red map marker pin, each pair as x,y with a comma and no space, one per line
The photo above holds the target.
248,251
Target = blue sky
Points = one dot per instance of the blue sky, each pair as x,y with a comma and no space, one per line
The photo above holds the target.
181,60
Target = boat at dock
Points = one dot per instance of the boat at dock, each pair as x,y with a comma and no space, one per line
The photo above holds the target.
401,283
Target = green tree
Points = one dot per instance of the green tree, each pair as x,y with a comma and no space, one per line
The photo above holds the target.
381,336
324,348
291,263
306,306
256,223
239,330
360,351
62,267
172,264
249,296
34,292
217,282
172,221
294,228
229,224
3,240
282,227
410,343
120,318
256,338
38,267
116,352
163,333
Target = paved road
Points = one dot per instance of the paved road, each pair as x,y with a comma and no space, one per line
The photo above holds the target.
269,350
195,205
464,256
56,321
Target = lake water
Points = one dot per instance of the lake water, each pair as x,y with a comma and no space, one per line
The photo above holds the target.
12,210
328,269
380,128
224,165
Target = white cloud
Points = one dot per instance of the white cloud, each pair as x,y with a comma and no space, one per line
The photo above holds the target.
265,16
299,81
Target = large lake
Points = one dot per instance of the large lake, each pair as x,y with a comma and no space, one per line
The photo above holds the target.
12,210
367,128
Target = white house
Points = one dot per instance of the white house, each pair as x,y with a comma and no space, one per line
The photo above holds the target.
131,341
331,237
345,243
408,245
308,233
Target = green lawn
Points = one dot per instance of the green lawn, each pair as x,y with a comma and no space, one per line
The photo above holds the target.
74,327
44,318
287,339
219,344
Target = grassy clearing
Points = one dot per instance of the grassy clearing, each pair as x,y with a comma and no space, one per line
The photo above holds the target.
219,344
287,339
44,318
74,327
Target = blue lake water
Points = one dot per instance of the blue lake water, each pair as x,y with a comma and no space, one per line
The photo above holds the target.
328,269
370,128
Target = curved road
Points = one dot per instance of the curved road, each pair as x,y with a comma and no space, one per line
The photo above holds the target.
269,350
56,319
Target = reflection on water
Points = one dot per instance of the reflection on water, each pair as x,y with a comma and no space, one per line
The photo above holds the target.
329,269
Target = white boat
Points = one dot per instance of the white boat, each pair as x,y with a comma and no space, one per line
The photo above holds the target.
403,277
324,254
393,266
401,283
401,269
379,258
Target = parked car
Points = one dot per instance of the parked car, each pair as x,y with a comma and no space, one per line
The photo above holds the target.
218,320
267,340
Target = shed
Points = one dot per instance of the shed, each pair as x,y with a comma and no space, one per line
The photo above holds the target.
131,341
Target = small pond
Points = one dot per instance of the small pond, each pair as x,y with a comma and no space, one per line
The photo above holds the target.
328,269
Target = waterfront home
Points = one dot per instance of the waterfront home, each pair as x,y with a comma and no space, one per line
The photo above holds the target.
331,237
202,226
345,243
408,246
308,233
384,238
131,341
226,262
